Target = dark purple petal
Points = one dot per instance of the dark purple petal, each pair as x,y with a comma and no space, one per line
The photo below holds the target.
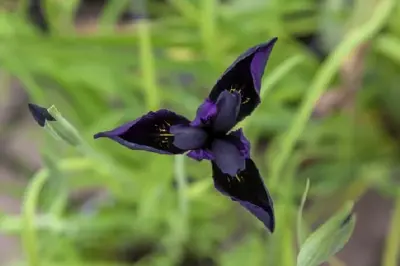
265,216
227,156
206,111
201,154
247,188
40,114
241,142
244,76
150,132
188,137
228,105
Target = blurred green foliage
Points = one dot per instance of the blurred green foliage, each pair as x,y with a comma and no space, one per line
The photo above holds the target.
161,210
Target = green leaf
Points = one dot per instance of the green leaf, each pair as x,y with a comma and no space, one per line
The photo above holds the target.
112,12
328,239
55,194
301,234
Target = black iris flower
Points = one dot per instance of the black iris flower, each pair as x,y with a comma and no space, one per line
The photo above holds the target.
210,137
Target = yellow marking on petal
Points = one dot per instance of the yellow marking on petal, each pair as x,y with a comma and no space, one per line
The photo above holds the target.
165,135
239,178
246,100
240,91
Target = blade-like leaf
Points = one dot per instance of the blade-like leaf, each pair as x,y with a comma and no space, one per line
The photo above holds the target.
301,234
328,239
54,193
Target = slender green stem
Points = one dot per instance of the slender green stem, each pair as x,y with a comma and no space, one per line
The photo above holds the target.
29,237
208,28
180,177
176,249
147,65
392,250
301,234
321,81
288,256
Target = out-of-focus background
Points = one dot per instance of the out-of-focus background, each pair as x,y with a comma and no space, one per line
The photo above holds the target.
101,64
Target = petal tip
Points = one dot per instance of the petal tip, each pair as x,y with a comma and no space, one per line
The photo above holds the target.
265,47
271,224
270,43
273,40
100,135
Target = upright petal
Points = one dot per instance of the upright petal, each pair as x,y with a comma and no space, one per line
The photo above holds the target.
205,113
247,188
244,76
151,132
241,142
228,105
227,157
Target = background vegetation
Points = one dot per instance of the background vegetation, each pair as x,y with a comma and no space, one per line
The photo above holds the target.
336,62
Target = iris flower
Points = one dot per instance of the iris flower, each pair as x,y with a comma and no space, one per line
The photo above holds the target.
209,135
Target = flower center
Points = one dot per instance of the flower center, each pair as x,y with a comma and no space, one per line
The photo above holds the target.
211,136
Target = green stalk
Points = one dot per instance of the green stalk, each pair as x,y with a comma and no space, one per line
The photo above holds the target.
301,234
208,28
392,249
147,65
180,176
29,236
322,80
